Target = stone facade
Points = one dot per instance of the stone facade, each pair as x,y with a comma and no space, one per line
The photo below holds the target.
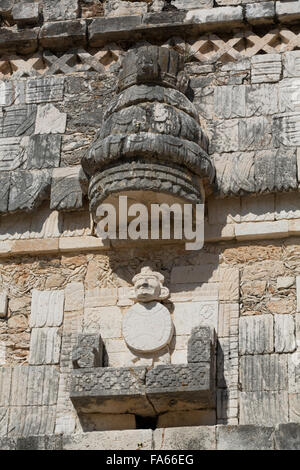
227,373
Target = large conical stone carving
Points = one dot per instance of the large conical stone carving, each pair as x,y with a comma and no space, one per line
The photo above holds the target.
150,141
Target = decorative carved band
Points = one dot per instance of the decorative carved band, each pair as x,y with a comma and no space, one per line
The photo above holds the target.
208,48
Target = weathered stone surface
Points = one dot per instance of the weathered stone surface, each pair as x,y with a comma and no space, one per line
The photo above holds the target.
46,308
43,152
5,385
275,169
134,439
3,304
33,386
201,345
187,418
287,11
44,89
262,12
185,438
112,27
45,346
284,329
106,422
40,443
289,98
101,297
66,193
23,41
227,363
294,372
3,422
110,390
286,130
11,154
60,9
88,352
180,387
265,68
267,408
63,34
28,189
106,320
49,120
123,8
245,437
4,192
191,4
228,319
262,230
189,315
225,15
6,6
291,62
194,274
17,120
25,13
31,420
227,405
147,327
287,436
264,373
256,334
74,296
294,407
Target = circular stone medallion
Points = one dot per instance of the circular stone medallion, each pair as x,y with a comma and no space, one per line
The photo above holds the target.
147,327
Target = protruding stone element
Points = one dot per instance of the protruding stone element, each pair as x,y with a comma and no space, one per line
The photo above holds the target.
66,192
25,13
88,352
49,120
148,141
147,327
201,345
180,387
110,390
256,334
3,304
261,12
54,10
46,308
291,62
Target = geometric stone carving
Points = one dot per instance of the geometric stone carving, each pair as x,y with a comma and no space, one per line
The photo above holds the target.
169,387
264,372
265,68
267,408
110,390
201,345
66,193
180,387
88,352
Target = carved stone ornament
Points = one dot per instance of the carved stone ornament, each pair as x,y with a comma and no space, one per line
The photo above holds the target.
150,141
147,326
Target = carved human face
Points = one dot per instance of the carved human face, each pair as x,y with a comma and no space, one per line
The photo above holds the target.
147,288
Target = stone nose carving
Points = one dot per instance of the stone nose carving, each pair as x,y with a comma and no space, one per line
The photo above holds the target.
150,141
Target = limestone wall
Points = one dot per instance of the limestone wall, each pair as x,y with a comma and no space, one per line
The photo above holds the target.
58,70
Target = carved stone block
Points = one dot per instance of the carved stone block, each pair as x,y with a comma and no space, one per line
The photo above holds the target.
201,345
66,192
88,352
110,390
28,189
180,387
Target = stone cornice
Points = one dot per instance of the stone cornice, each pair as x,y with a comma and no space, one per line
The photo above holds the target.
94,32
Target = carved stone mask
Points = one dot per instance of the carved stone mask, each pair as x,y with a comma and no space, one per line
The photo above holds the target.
148,286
